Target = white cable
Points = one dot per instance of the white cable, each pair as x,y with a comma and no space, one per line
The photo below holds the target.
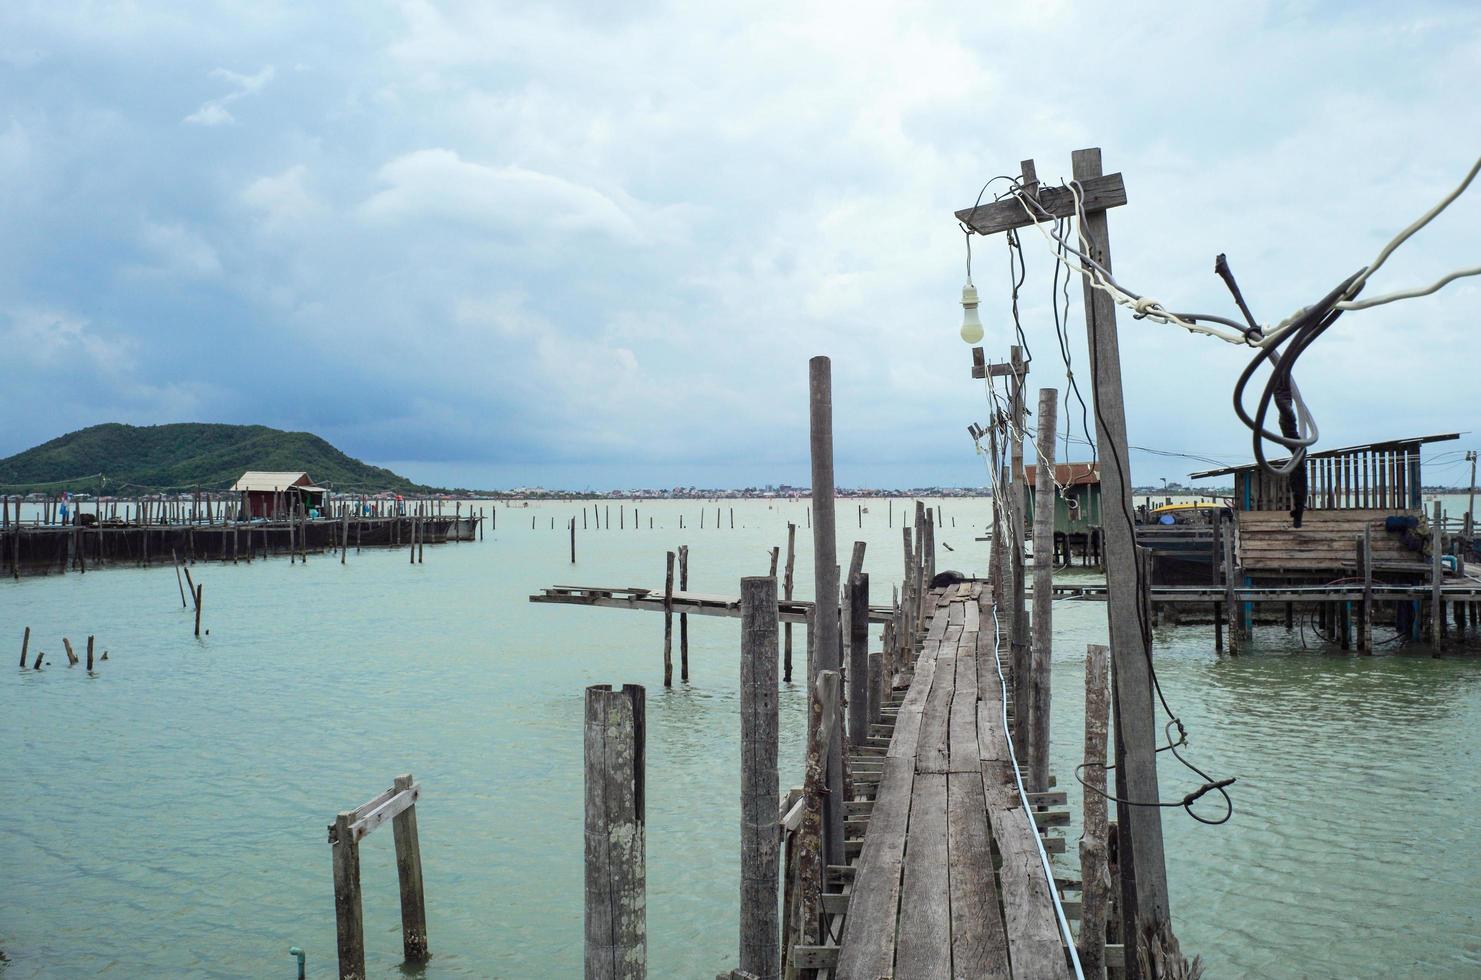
1064,925
1151,309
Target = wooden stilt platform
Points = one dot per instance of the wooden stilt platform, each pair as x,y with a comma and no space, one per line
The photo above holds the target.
698,603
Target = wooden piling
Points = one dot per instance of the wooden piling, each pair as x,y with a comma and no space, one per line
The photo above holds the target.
1231,607
176,559
349,921
1043,630
787,595
825,581
25,644
573,539
71,657
1094,871
759,951
684,617
616,944
857,592
90,653
1365,610
668,621
200,591
1437,577
409,871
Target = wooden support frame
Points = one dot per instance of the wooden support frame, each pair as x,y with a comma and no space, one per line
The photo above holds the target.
397,805
1140,850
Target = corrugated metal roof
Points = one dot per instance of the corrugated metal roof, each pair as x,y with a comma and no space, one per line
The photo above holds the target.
1389,445
1068,474
269,480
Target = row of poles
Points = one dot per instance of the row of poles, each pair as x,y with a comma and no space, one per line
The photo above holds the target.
844,700
72,658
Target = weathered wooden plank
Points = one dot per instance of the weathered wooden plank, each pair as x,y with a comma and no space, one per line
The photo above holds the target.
1028,908
1096,194
931,748
925,924
869,932
963,754
908,721
399,800
979,944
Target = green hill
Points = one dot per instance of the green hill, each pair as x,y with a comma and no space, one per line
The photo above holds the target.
185,455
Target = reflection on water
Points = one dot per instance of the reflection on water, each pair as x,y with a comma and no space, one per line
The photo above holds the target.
167,816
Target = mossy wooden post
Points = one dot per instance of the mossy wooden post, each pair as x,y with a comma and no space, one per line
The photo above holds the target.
409,870
858,660
668,620
684,617
1043,618
825,582
349,923
787,595
759,935
1095,874
616,943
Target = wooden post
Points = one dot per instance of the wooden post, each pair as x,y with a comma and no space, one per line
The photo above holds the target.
775,554
1018,496
684,617
616,944
179,583
760,836
1231,607
1043,621
348,920
90,654
1144,870
787,595
1437,576
1095,877
825,582
25,644
858,659
573,539
1365,614
200,591
668,620
409,870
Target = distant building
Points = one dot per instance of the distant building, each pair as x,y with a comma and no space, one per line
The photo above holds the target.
271,494
1077,505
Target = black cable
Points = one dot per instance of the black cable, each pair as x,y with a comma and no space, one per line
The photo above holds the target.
1016,281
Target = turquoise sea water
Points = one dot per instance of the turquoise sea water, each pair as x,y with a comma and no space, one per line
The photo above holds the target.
166,817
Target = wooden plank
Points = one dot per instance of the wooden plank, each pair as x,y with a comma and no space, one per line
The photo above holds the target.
868,947
979,943
385,811
1096,194
1028,908
924,945
908,721
962,741
931,747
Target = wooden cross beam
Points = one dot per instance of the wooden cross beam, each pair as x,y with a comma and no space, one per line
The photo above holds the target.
1096,194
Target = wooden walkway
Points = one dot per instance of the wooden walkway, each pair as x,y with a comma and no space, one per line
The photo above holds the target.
950,881
694,603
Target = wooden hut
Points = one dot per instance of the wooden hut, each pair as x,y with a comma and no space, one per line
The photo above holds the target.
1077,516
1347,490
272,494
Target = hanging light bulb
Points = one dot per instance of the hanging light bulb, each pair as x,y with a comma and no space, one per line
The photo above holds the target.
971,325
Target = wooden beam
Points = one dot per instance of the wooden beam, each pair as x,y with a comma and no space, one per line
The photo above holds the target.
1097,194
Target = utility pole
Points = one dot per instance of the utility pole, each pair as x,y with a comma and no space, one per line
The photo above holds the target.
1471,503
1144,873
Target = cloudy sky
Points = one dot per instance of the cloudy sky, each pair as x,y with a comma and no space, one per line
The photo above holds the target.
587,244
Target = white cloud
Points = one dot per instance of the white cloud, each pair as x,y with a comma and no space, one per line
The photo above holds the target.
283,201
179,251
439,184
213,112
